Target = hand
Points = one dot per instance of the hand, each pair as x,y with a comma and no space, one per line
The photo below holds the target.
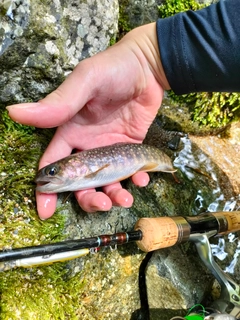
111,97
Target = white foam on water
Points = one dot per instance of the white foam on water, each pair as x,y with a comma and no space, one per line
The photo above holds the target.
231,267
186,158
218,249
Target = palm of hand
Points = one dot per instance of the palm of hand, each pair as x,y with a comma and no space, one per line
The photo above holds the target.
109,98
106,120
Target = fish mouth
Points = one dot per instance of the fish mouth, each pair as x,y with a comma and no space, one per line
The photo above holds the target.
46,185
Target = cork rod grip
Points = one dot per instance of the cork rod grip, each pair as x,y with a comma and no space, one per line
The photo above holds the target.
158,233
233,220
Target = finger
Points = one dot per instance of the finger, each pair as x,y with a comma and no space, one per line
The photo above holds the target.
46,205
140,179
119,196
58,148
60,105
92,201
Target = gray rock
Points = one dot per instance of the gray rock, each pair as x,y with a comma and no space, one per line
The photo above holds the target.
139,12
40,43
175,281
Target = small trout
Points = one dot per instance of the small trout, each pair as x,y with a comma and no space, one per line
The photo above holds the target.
100,167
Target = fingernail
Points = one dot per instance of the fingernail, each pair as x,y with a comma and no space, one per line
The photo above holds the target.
23,106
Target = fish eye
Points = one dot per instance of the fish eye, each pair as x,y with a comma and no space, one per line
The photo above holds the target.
51,171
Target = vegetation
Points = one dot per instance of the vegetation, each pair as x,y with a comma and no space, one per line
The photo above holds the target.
171,7
214,109
43,292
123,23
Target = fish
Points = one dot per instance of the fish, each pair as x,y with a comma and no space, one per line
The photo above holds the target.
219,316
100,167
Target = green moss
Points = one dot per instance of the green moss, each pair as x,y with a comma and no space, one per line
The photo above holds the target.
171,7
42,294
113,40
214,109
21,147
123,21
35,293
9,125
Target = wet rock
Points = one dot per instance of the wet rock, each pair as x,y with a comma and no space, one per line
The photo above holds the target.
226,155
216,158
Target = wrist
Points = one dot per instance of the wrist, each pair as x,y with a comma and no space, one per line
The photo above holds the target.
146,39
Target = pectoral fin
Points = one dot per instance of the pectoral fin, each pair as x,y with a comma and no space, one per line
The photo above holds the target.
93,174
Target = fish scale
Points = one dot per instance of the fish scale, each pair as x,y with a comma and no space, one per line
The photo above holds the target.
101,166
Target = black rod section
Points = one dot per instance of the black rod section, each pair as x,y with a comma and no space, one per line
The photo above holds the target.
203,223
70,245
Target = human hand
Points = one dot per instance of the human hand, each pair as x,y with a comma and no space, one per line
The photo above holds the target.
111,97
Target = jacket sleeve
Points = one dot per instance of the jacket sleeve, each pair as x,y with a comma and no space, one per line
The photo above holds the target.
200,51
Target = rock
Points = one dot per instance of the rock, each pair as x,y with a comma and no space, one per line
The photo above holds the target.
139,12
40,43
135,13
175,281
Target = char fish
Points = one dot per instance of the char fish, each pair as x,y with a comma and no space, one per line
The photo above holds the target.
100,167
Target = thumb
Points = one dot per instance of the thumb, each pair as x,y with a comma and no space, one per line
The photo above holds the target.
60,105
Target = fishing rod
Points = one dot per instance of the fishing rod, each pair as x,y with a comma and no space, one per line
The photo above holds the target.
62,251
149,233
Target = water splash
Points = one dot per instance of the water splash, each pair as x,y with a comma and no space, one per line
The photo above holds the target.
185,157
219,249
10,11
231,267
186,160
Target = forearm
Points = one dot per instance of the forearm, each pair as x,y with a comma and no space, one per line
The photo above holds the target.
200,51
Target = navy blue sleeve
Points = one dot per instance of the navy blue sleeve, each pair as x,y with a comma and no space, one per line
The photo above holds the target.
200,51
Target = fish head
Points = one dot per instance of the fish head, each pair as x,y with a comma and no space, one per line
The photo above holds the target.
60,176
49,178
